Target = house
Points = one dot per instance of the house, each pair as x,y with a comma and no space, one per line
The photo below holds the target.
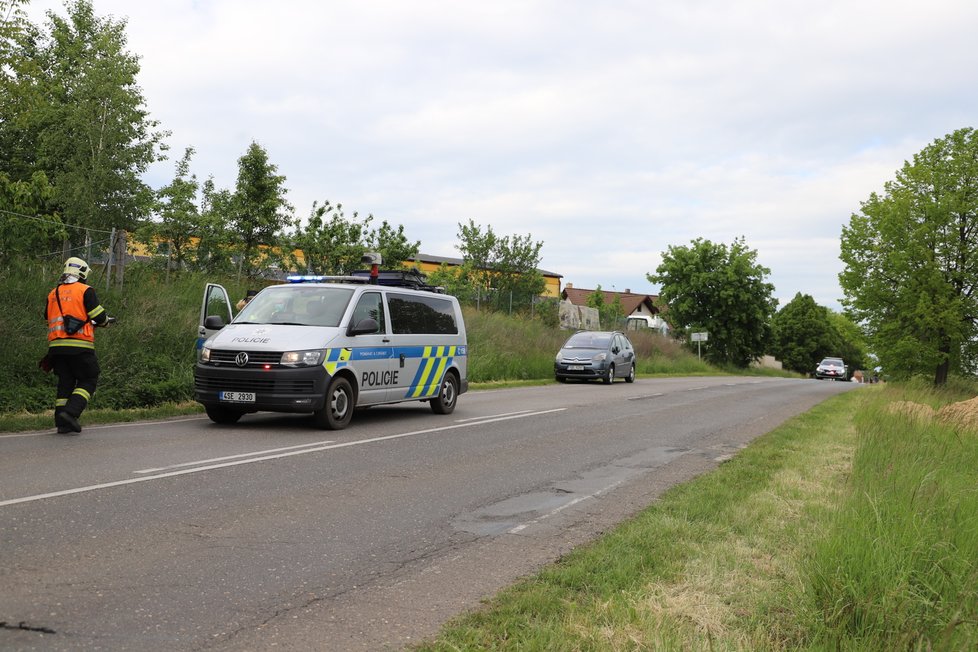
428,264
639,310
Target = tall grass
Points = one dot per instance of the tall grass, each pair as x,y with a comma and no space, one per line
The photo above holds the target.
898,565
851,527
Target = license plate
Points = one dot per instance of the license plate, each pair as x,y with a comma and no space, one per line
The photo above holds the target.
575,367
238,397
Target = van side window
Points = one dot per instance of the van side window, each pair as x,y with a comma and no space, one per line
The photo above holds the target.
421,315
370,306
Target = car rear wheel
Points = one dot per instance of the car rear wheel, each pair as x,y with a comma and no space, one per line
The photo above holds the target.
447,397
630,378
338,410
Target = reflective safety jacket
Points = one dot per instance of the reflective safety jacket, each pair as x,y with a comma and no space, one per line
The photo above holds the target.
75,300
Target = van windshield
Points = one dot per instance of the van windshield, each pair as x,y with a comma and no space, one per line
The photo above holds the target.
305,305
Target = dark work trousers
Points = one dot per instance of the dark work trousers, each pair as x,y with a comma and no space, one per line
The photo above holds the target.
77,376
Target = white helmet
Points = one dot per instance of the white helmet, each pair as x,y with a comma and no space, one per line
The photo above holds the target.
76,267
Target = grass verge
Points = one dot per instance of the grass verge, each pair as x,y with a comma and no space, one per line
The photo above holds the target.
808,539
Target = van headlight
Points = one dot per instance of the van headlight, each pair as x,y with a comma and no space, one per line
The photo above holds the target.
303,358
205,354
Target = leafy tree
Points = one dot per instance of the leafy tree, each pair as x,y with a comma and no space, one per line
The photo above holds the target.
392,244
20,232
86,118
802,334
330,243
722,290
910,271
179,217
850,341
596,299
213,251
260,212
20,100
609,314
458,280
503,269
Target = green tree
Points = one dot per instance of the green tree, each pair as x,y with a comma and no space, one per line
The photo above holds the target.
609,314
88,122
850,341
504,270
802,334
20,94
392,244
179,216
910,273
260,212
29,222
723,291
330,242
213,252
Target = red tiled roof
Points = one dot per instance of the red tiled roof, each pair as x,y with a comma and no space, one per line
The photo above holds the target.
629,300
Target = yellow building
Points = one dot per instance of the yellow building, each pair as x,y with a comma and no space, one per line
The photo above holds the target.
424,262
429,264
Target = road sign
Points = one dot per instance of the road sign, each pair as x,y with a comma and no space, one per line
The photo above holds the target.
699,338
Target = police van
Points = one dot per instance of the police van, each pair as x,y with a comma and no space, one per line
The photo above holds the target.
327,345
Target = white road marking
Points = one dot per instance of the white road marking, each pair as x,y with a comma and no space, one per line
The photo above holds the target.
580,499
251,460
492,416
231,457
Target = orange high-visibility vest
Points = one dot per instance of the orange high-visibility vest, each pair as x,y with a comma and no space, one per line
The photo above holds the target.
72,302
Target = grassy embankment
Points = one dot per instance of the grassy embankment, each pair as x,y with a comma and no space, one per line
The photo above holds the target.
147,357
852,527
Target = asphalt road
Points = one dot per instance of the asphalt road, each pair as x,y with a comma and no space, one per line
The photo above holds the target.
270,534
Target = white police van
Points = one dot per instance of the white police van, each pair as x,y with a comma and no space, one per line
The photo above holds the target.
327,345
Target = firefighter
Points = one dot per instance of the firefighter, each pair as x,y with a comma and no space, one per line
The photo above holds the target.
72,312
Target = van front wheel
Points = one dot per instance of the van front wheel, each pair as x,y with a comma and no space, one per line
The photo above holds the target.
444,403
338,410
222,415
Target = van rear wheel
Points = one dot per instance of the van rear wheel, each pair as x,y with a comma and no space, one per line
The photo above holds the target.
338,409
447,397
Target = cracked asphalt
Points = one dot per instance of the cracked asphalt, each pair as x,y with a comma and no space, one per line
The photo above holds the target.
270,534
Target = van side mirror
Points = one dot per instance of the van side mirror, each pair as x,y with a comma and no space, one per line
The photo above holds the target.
213,322
363,327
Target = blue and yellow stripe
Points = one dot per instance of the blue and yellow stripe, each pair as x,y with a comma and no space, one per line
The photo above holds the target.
431,371
337,359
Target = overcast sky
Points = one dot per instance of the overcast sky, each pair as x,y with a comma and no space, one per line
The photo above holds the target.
608,131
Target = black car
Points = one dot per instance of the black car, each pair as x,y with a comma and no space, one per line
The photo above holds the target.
833,369
589,355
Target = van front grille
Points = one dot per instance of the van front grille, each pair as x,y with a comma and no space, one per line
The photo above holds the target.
264,385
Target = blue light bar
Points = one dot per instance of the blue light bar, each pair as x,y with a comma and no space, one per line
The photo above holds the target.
307,278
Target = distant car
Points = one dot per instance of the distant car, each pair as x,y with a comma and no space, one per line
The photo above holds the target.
832,368
590,355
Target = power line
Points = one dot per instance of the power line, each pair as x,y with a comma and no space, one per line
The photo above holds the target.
36,218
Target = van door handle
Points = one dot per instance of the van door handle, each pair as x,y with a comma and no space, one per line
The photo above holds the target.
402,361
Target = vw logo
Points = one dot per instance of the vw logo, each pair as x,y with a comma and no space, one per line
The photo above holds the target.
241,359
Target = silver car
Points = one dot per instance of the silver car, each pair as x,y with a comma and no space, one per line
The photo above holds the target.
589,355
